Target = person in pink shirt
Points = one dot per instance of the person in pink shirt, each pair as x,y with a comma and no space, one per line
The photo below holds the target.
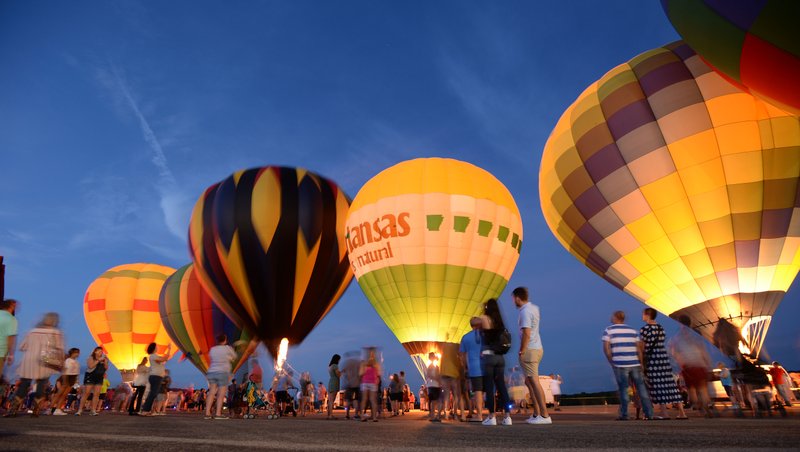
370,371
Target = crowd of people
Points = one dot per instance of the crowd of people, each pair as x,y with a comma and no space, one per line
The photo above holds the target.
463,382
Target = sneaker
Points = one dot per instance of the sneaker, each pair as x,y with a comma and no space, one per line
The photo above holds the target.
506,420
533,420
544,420
489,421
207,417
94,413
59,412
220,418
77,413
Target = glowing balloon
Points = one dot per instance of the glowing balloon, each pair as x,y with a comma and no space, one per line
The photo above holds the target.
755,44
268,245
193,321
679,189
430,241
121,311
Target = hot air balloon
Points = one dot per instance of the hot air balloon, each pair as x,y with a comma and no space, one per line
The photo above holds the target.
430,240
121,311
680,189
193,321
754,44
268,245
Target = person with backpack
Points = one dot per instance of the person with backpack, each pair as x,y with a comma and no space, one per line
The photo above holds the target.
530,354
495,344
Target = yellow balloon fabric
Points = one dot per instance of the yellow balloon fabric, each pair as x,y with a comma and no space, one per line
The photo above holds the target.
430,240
678,188
121,311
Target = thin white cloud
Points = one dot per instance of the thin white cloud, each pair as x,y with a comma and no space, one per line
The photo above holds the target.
174,203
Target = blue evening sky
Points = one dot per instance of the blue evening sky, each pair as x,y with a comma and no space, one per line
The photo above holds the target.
115,115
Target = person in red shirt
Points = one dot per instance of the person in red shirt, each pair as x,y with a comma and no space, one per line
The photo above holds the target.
781,383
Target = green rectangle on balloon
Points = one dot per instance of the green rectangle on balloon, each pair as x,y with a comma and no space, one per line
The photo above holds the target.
484,228
119,321
460,223
502,234
434,222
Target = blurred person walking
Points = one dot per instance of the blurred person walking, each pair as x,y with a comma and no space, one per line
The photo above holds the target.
451,382
154,378
370,371
780,381
493,362
624,352
69,376
222,357
333,383
657,367
44,356
689,351
139,385
530,354
8,334
470,350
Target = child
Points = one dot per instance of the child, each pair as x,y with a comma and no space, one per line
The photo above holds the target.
68,378
433,379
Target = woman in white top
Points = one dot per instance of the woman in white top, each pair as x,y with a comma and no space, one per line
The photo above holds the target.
156,375
43,341
68,379
139,385
222,357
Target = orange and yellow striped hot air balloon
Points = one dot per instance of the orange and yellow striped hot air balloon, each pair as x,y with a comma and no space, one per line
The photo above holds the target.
121,311
430,240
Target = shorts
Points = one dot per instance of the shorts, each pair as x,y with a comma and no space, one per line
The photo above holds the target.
529,361
102,396
218,378
695,376
433,393
369,387
352,394
282,396
476,384
92,379
68,380
161,397
396,396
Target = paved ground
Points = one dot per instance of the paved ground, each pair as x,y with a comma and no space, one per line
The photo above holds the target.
574,427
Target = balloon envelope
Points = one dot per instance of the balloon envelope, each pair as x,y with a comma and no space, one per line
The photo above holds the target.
121,311
430,241
679,189
193,321
268,245
755,44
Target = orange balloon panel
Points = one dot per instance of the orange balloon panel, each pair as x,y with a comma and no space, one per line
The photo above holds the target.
121,311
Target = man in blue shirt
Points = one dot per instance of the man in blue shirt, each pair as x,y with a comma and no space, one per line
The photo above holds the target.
470,353
624,352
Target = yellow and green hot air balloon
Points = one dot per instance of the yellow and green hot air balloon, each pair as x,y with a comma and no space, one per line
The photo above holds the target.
430,240
121,312
680,189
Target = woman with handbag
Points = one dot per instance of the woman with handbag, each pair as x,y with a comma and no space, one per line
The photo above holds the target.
44,356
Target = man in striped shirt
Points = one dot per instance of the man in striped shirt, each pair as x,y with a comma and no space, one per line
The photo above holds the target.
624,351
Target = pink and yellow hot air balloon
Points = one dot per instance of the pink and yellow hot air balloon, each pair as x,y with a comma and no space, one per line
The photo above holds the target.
430,240
680,189
121,312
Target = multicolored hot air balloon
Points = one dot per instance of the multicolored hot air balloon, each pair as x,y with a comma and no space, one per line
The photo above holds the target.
430,241
268,245
193,321
121,311
754,44
679,189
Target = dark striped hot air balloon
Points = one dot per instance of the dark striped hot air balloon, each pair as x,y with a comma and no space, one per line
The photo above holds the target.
269,246
680,189
193,321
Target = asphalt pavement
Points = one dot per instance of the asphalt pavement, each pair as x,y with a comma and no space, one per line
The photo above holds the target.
574,427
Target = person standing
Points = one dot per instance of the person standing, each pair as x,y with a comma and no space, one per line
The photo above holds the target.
68,378
493,362
43,341
92,380
333,383
624,352
370,371
555,389
139,385
8,333
222,357
352,392
433,380
157,371
689,350
780,381
530,354
451,381
658,368
470,351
